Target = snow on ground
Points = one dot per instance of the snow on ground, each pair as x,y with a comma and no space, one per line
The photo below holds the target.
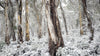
75,44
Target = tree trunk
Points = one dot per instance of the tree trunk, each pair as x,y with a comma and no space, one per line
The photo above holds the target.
55,40
7,38
27,24
80,18
11,16
55,21
20,37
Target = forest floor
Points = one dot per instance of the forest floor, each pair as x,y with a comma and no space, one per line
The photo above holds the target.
75,45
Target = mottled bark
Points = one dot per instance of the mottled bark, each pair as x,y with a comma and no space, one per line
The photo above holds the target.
7,38
55,21
20,11
52,34
55,40
27,24
11,19
20,36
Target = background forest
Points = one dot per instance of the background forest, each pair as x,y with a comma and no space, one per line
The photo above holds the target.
49,27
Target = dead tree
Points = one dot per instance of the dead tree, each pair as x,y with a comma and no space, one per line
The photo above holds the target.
85,14
55,40
27,24
7,38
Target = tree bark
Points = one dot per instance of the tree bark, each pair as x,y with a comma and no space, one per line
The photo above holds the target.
80,18
27,24
55,21
11,19
55,40
7,38
20,36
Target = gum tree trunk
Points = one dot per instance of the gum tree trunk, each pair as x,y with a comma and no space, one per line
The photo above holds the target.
55,40
11,19
20,37
55,21
80,18
7,38
27,24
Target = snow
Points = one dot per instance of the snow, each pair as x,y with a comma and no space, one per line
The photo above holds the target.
75,44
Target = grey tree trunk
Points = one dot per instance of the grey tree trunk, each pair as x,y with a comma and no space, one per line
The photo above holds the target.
7,38
11,19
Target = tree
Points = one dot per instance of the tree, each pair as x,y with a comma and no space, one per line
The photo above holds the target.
80,18
27,24
20,36
55,40
7,38
11,14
